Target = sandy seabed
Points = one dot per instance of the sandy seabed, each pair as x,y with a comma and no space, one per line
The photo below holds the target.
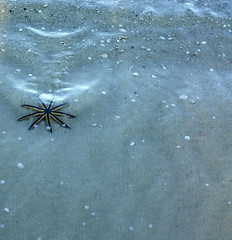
125,169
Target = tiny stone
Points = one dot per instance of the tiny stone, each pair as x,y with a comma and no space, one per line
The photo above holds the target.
3,132
173,104
206,184
183,97
84,224
48,128
192,101
2,226
132,143
178,147
6,210
86,207
228,202
20,166
150,225
117,117
19,138
103,92
135,74
94,124
164,68
211,69
153,76
89,58
131,228
104,55
3,181
187,138
122,30
203,42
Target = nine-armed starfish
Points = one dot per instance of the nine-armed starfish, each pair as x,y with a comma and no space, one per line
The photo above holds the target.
46,112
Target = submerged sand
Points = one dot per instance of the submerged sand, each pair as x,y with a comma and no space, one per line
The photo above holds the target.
125,169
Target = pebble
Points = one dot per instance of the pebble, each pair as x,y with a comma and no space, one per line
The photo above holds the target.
153,76
94,124
3,181
84,224
228,202
103,92
132,143
20,166
2,226
19,138
122,30
135,74
104,55
164,68
183,97
206,184
187,138
131,228
150,225
178,147
48,128
6,210
86,207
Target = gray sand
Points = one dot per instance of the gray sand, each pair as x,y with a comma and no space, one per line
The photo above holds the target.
124,170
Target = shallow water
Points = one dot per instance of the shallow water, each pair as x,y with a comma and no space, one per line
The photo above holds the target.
140,77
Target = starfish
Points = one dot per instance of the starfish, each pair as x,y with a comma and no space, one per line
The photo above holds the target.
46,112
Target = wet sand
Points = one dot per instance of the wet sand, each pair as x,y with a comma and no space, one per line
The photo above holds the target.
125,169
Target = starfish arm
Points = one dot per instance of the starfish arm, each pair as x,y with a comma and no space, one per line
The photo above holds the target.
42,104
50,104
29,115
33,108
62,114
37,121
59,121
58,107
48,122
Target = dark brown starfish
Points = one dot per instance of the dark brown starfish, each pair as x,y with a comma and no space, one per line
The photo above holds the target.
46,112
